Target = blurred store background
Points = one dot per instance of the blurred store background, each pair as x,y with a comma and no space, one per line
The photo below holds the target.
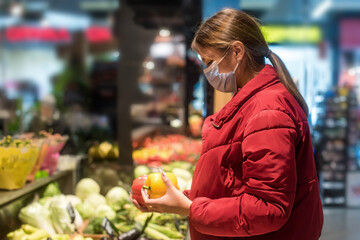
113,85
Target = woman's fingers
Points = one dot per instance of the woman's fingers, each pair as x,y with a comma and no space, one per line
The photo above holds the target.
152,204
166,180
138,206
144,195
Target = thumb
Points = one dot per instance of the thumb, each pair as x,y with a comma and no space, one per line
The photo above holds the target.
166,180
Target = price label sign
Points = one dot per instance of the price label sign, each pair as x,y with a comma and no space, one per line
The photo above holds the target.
71,212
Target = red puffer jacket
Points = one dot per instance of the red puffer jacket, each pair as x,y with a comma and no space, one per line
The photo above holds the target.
256,177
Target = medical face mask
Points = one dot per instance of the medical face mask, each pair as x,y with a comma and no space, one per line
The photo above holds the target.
223,82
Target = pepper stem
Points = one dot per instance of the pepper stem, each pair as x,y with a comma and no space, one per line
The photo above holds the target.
147,187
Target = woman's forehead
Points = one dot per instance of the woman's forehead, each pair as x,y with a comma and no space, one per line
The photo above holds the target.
208,53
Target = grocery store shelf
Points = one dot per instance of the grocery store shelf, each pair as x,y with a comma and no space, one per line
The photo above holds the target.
7,196
143,131
334,185
148,120
4,114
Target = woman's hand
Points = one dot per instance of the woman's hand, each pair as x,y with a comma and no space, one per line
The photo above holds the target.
174,201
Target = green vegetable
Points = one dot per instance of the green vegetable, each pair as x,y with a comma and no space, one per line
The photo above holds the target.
52,190
74,200
27,232
85,187
141,170
105,211
130,210
45,201
95,200
117,197
182,173
86,210
60,216
38,216
167,231
94,226
38,235
124,227
152,233
181,164
60,237
28,229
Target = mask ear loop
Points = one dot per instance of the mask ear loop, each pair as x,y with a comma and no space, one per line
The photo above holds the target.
227,51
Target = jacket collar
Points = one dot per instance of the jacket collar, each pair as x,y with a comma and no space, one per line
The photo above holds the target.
266,77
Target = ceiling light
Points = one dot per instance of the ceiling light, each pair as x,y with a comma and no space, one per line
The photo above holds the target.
164,33
352,72
161,50
150,65
16,10
115,54
321,9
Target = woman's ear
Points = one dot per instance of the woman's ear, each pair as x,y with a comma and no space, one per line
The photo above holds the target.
239,50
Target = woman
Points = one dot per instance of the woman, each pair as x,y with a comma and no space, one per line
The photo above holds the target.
256,177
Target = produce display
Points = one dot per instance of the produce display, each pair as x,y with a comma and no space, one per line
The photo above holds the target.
166,149
82,216
104,150
29,232
58,216
17,158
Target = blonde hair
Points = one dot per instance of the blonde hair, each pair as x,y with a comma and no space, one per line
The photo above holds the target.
229,25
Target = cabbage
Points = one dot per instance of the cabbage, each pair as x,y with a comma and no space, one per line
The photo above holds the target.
141,170
74,200
38,216
45,201
85,187
95,200
52,190
78,219
105,211
117,197
181,183
60,216
182,173
86,210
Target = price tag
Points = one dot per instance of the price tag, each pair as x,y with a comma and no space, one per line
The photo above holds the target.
109,228
71,212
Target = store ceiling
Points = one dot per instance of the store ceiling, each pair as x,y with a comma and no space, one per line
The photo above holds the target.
297,11
158,13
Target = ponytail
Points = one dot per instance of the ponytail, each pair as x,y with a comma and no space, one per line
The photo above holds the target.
286,79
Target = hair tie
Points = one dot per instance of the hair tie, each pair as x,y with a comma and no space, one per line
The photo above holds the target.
268,53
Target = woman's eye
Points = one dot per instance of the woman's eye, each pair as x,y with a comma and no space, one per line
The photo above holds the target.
209,63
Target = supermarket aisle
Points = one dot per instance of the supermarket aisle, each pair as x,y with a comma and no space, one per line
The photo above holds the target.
341,223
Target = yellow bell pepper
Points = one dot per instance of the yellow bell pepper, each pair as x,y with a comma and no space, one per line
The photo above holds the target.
156,187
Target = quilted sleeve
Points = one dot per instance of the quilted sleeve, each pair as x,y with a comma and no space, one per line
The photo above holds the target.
269,176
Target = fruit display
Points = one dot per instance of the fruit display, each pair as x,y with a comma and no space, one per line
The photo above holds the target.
195,124
166,149
104,150
17,158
